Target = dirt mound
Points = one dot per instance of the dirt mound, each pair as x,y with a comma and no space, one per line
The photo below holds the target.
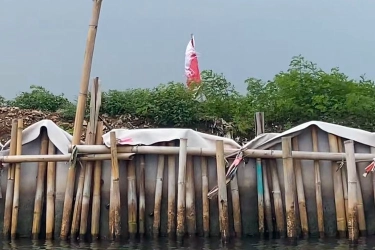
7,114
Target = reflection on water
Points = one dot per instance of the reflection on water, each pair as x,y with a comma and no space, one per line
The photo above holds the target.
194,244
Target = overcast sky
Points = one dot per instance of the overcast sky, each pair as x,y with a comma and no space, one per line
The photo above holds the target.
142,43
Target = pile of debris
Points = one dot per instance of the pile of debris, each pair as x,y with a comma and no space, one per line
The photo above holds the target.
7,114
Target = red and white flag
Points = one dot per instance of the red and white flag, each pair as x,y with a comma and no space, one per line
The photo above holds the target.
191,64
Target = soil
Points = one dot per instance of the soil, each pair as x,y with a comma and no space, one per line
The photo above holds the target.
7,114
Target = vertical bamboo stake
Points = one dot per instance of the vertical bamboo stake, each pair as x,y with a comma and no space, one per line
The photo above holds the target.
16,195
222,190
352,191
94,113
171,228
277,199
114,207
337,185
344,178
236,203
158,194
361,211
10,183
267,200
290,186
181,189
95,217
51,183
318,185
373,173
205,201
132,200
300,191
142,199
259,118
81,181
190,197
39,195
81,103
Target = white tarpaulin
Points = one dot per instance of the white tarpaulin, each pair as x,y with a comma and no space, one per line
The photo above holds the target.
60,138
151,136
265,141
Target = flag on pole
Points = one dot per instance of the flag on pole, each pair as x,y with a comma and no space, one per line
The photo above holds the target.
191,64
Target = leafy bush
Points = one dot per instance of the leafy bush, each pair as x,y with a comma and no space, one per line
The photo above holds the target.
303,93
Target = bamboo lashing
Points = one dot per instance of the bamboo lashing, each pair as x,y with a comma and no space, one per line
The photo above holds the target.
80,113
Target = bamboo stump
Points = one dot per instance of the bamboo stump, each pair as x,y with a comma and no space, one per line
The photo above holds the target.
10,183
352,191
205,200
114,207
290,187
51,189
17,176
222,191
39,195
171,227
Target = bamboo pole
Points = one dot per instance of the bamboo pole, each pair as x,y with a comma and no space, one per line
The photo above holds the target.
171,228
78,199
95,218
222,192
318,184
300,191
80,113
95,103
344,178
205,201
190,197
17,176
236,203
181,188
373,173
260,188
290,187
132,200
142,199
62,158
352,191
10,183
51,183
249,153
277,199
267,200
361,212
39,194
158,194
338,189
114,207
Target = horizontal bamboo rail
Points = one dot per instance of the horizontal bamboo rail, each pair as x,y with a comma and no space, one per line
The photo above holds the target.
59,158
251,153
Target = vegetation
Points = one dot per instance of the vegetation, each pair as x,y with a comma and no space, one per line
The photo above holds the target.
303,93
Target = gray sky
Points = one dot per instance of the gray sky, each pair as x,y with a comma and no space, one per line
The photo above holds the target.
142,43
